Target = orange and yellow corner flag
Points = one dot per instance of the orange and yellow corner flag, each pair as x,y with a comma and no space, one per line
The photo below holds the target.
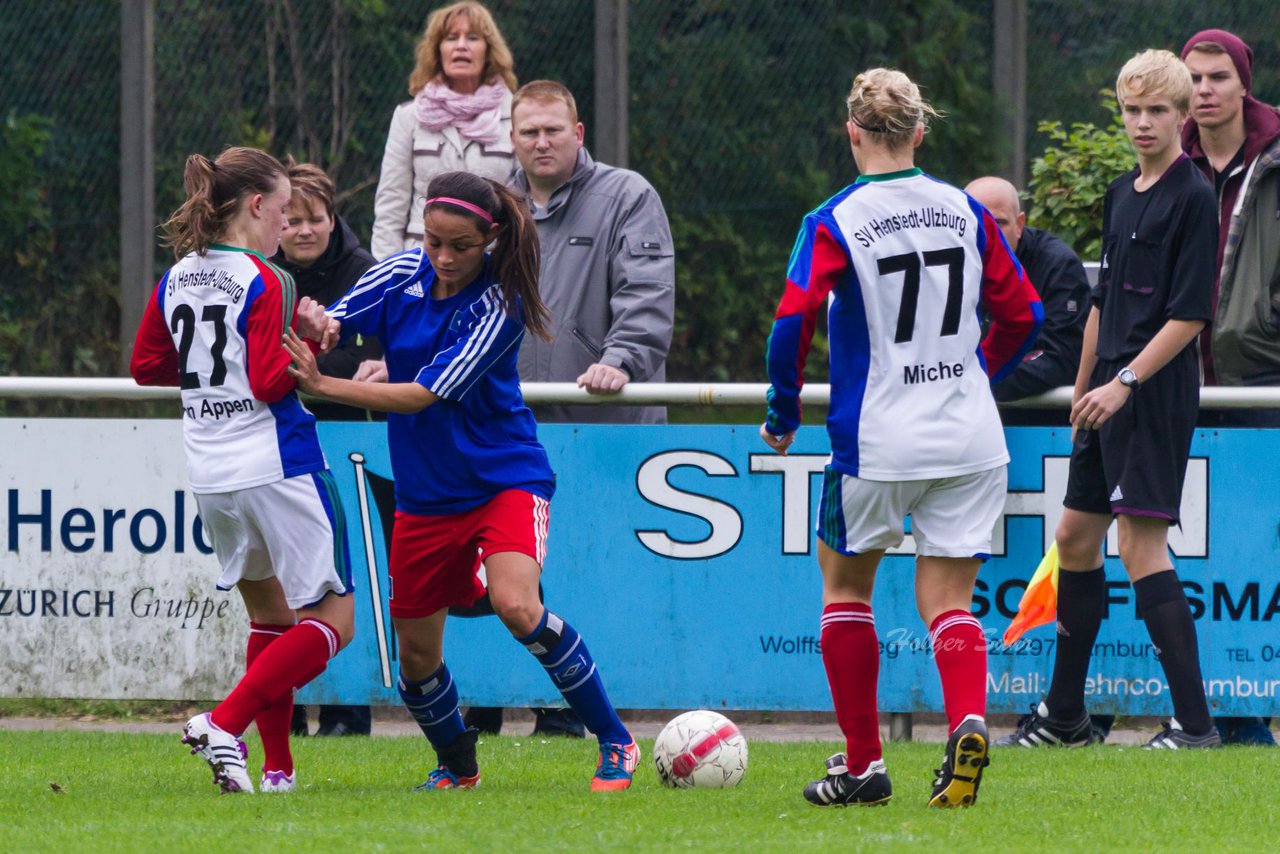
1039,603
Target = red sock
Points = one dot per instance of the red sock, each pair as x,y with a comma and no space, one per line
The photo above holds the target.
960,651
290,661
273,721
851,654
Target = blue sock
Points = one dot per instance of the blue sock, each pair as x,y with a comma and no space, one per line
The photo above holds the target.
433,702
568,662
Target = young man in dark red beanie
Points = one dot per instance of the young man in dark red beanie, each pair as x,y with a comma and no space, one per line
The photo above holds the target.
1234,139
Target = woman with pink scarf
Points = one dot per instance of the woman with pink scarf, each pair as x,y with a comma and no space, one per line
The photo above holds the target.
459,120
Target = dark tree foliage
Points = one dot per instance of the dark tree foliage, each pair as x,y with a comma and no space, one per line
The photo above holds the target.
737,117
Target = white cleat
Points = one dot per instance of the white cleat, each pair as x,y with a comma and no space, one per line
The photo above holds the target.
277,781
224,752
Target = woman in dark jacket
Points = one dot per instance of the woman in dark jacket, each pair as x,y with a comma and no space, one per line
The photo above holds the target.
325,258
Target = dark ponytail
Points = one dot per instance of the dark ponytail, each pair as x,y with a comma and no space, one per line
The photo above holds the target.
214,191
517,255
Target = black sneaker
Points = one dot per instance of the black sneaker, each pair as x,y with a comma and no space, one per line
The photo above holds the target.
840,788
486,719
956,783
1173,737
1040,730
563,722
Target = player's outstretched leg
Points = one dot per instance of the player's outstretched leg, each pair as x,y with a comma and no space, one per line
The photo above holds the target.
956,782
225,753
564,655
839,788
433,702
290,661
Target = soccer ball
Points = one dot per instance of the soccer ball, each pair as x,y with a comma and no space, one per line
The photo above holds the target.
702,749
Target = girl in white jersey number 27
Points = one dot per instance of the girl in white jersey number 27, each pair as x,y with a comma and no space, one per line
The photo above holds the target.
913,426
266,497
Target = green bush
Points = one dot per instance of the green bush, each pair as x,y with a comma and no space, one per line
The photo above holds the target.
51,323
1069,181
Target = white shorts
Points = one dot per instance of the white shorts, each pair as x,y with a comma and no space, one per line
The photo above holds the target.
293,529
950,516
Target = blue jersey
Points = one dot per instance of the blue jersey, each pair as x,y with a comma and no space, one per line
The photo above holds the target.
479,438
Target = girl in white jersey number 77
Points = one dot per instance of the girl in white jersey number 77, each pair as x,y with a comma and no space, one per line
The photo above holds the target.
913,426
266,497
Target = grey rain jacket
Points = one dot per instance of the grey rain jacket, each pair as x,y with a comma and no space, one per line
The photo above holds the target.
608,279
1246,325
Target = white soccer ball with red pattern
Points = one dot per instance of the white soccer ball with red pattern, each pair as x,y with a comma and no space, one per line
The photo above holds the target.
701,749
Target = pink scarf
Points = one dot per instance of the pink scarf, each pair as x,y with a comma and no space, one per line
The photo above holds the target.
476,116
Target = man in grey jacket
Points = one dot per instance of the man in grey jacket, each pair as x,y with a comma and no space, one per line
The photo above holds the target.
608,263
1234,139
608,278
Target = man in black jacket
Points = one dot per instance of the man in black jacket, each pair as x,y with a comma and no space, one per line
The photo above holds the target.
325,258
1058,276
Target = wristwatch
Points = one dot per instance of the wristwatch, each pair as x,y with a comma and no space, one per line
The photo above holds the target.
1129,378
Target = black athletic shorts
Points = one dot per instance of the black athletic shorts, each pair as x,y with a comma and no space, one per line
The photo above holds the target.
1136,462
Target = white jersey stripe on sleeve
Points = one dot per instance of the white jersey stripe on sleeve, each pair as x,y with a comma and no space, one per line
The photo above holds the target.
384,276
478,345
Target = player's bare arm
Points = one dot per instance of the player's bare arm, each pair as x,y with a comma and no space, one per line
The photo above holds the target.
405,398
371,371
1095,407
313,323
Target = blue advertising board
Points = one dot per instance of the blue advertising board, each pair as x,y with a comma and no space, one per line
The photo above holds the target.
685,557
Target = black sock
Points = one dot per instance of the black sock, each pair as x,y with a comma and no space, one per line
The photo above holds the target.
1082,598
1168,617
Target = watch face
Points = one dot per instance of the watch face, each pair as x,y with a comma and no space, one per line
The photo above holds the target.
1128,377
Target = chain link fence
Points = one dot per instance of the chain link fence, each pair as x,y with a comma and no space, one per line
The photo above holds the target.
736,114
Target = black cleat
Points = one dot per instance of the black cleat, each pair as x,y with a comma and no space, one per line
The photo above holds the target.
564,722
485,719
1040,730
840,788
956,784
1174,737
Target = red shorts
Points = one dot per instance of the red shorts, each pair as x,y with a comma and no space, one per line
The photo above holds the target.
434,559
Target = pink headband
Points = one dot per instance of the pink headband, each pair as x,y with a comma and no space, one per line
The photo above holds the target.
475,209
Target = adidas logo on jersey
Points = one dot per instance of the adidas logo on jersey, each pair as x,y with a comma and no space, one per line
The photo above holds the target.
1116,495
414,290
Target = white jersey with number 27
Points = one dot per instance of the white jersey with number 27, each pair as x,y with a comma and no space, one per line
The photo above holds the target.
213,326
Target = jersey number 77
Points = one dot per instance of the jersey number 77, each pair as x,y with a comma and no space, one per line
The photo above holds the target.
909,264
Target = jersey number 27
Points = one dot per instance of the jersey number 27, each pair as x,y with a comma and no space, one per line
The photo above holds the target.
185,316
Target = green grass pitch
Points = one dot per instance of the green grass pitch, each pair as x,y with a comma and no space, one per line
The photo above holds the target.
129,792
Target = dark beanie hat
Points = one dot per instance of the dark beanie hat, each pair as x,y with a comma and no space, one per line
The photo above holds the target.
1241,55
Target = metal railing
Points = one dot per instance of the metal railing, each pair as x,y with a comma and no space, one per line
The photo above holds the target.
691,394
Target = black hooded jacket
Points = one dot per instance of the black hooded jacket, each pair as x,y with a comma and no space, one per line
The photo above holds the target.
326,281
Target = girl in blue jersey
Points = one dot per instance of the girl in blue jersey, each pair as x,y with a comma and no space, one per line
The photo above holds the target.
472,481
